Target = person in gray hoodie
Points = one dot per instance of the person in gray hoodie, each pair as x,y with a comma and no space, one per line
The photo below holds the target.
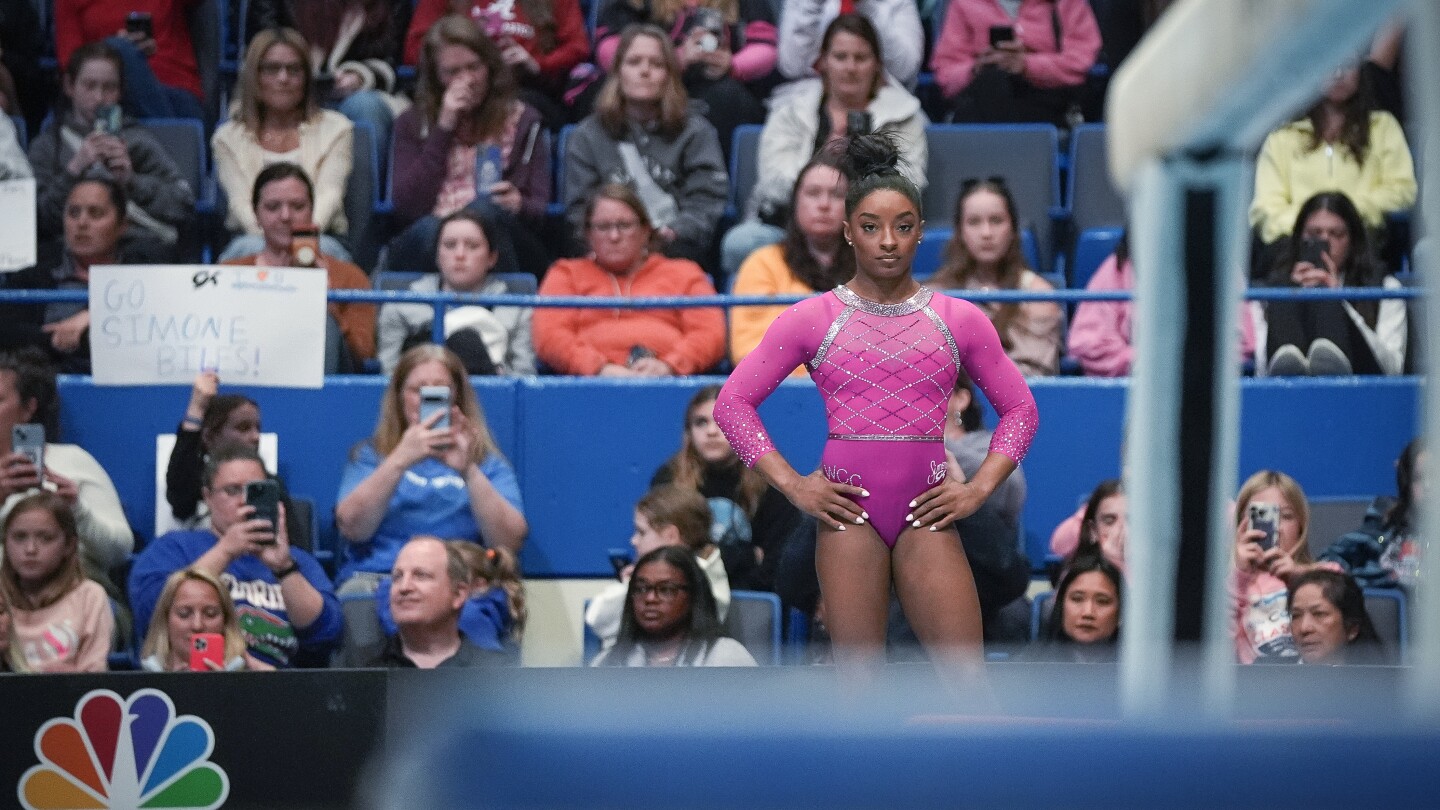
644,134
85,141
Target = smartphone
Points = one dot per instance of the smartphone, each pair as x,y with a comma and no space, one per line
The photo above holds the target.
207,647
620,558
107,119
435,398
139,22
638,353
1001,33
265,497
489,168
305,245
1265,517
29,441
1312,250
857,123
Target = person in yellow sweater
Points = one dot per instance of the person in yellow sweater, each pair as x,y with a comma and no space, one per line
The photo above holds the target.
808,260
1344,143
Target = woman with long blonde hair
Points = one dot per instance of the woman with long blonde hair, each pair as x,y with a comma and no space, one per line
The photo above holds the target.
441,474
194,601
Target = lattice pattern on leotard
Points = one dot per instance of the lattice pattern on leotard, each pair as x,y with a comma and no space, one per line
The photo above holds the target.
886,376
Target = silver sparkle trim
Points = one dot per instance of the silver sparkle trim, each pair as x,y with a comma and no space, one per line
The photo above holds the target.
910,305
835,327
883,437
944,330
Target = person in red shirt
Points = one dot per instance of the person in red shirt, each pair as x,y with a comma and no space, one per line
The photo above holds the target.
162,76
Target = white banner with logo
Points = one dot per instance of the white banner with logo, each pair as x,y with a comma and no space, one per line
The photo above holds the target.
163,324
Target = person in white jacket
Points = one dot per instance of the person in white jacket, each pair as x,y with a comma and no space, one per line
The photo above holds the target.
897,21
808,114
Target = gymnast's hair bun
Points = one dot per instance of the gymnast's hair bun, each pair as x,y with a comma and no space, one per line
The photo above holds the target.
871,155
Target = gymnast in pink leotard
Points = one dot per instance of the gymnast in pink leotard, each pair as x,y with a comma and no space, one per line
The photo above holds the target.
884,353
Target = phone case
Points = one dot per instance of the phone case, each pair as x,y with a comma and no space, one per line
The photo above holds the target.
207,647
265,497
29,441
432,399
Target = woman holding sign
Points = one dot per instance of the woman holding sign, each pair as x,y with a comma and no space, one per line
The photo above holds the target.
469,143
94,221
431,467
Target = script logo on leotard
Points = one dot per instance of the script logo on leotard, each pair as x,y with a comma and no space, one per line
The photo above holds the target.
840,475
937,472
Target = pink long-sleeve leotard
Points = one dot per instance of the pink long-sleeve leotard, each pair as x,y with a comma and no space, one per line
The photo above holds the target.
885,372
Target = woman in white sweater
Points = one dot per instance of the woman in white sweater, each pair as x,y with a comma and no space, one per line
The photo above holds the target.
276,118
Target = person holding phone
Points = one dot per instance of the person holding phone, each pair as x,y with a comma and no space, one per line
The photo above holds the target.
89,138
1014,62
412,477
469,142
1329,249
195,628
628,342
852,92
288,601
1346,143
283,200
162,74
1267,559
28,395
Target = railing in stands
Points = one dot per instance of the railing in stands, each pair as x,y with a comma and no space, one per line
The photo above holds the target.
441,299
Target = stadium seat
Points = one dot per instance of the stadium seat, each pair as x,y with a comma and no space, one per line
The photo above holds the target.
363,634
206,32
21,136
1090,197
1092,248
754,620
931,252
744,163
1332,517
1024,154
797,634
183,139
1040,613
362,198
557,208
1388,610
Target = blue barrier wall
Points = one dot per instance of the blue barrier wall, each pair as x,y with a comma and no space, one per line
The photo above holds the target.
585,448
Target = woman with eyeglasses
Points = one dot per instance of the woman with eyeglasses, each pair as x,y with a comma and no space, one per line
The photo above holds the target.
276,118
670,618
626,342
984,254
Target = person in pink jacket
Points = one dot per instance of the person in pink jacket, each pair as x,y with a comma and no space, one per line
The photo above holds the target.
1100,333
995,62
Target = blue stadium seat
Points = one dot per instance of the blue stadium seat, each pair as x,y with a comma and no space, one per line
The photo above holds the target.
931,252
184,141
1026,155
1092,248
744,165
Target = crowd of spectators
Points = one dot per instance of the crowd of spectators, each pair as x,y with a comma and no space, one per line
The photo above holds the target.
465,103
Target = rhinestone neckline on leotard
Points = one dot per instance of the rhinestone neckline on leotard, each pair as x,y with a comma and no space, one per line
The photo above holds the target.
910,305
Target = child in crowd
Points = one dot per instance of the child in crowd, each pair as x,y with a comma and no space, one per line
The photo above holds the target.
665,516
61,620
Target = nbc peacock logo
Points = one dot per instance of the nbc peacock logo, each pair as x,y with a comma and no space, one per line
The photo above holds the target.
119,753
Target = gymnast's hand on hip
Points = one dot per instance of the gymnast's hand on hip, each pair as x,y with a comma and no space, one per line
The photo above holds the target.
946,502
825,500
